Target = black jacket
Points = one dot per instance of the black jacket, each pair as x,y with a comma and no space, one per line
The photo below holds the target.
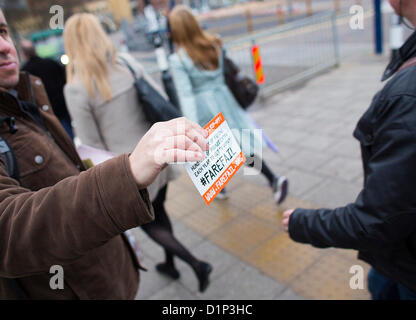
381,223
53,77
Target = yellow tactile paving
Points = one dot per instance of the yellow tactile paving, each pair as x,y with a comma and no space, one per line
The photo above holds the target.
180,184
181,202
247,196
346,254
329,278
283,259
268,212
176,210
205,220
243,234
294,202
248,225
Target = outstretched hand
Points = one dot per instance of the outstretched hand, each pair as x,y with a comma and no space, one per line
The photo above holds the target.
286,217
177,140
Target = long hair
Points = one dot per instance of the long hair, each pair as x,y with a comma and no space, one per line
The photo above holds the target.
89,50
186,32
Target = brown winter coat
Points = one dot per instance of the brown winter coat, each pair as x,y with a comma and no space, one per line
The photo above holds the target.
59,216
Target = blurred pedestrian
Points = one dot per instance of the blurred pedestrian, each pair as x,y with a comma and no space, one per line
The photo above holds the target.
381,223
197,70
168,34
52,74
107,115
152,20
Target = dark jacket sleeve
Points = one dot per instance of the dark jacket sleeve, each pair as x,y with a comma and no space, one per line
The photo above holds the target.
385,210
59,224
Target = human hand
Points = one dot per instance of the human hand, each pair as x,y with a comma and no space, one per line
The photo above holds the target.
177,140
286,217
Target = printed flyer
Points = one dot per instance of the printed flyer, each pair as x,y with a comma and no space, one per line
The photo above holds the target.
222,161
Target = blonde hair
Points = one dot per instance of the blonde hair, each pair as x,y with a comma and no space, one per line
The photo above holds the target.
186,32
89,50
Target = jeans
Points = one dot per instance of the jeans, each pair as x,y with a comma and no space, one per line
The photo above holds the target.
383,288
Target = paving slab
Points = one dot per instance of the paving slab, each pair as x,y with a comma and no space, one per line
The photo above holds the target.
242,237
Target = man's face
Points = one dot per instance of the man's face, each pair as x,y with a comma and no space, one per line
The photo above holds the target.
404,7
9,62
396,5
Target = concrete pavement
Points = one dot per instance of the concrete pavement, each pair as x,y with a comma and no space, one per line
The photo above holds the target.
242,237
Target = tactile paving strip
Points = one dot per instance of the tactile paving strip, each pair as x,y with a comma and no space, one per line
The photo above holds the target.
205,221
242,234
247,196
283,259
329,278
248,225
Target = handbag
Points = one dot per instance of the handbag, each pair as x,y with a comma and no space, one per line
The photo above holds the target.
155,107
243,88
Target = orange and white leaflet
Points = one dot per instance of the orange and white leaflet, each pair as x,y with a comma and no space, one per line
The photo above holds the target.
222,161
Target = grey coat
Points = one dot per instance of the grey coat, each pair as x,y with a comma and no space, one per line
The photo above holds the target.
116,125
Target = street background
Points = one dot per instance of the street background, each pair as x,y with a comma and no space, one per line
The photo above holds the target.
320,77
312,124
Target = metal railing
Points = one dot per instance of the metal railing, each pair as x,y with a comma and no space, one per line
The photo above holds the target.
291,53
234,21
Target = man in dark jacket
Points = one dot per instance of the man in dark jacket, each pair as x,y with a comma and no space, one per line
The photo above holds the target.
381,223
52,215
53,77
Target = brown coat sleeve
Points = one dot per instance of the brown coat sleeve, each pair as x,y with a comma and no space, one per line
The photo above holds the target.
58,224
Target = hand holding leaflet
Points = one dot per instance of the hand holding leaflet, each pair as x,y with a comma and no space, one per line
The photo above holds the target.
177,140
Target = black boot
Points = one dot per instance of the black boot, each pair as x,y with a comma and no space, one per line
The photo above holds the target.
204,269
168,270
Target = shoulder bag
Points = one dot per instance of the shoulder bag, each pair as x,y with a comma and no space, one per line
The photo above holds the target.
243,88
155,107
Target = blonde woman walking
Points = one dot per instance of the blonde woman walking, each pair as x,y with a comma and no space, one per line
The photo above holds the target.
107,115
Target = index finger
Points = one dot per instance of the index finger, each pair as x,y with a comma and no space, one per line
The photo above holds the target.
183,125
186,127
198,128
196,137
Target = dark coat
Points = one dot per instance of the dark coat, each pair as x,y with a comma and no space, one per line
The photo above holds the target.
56,215
53,77
381,223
